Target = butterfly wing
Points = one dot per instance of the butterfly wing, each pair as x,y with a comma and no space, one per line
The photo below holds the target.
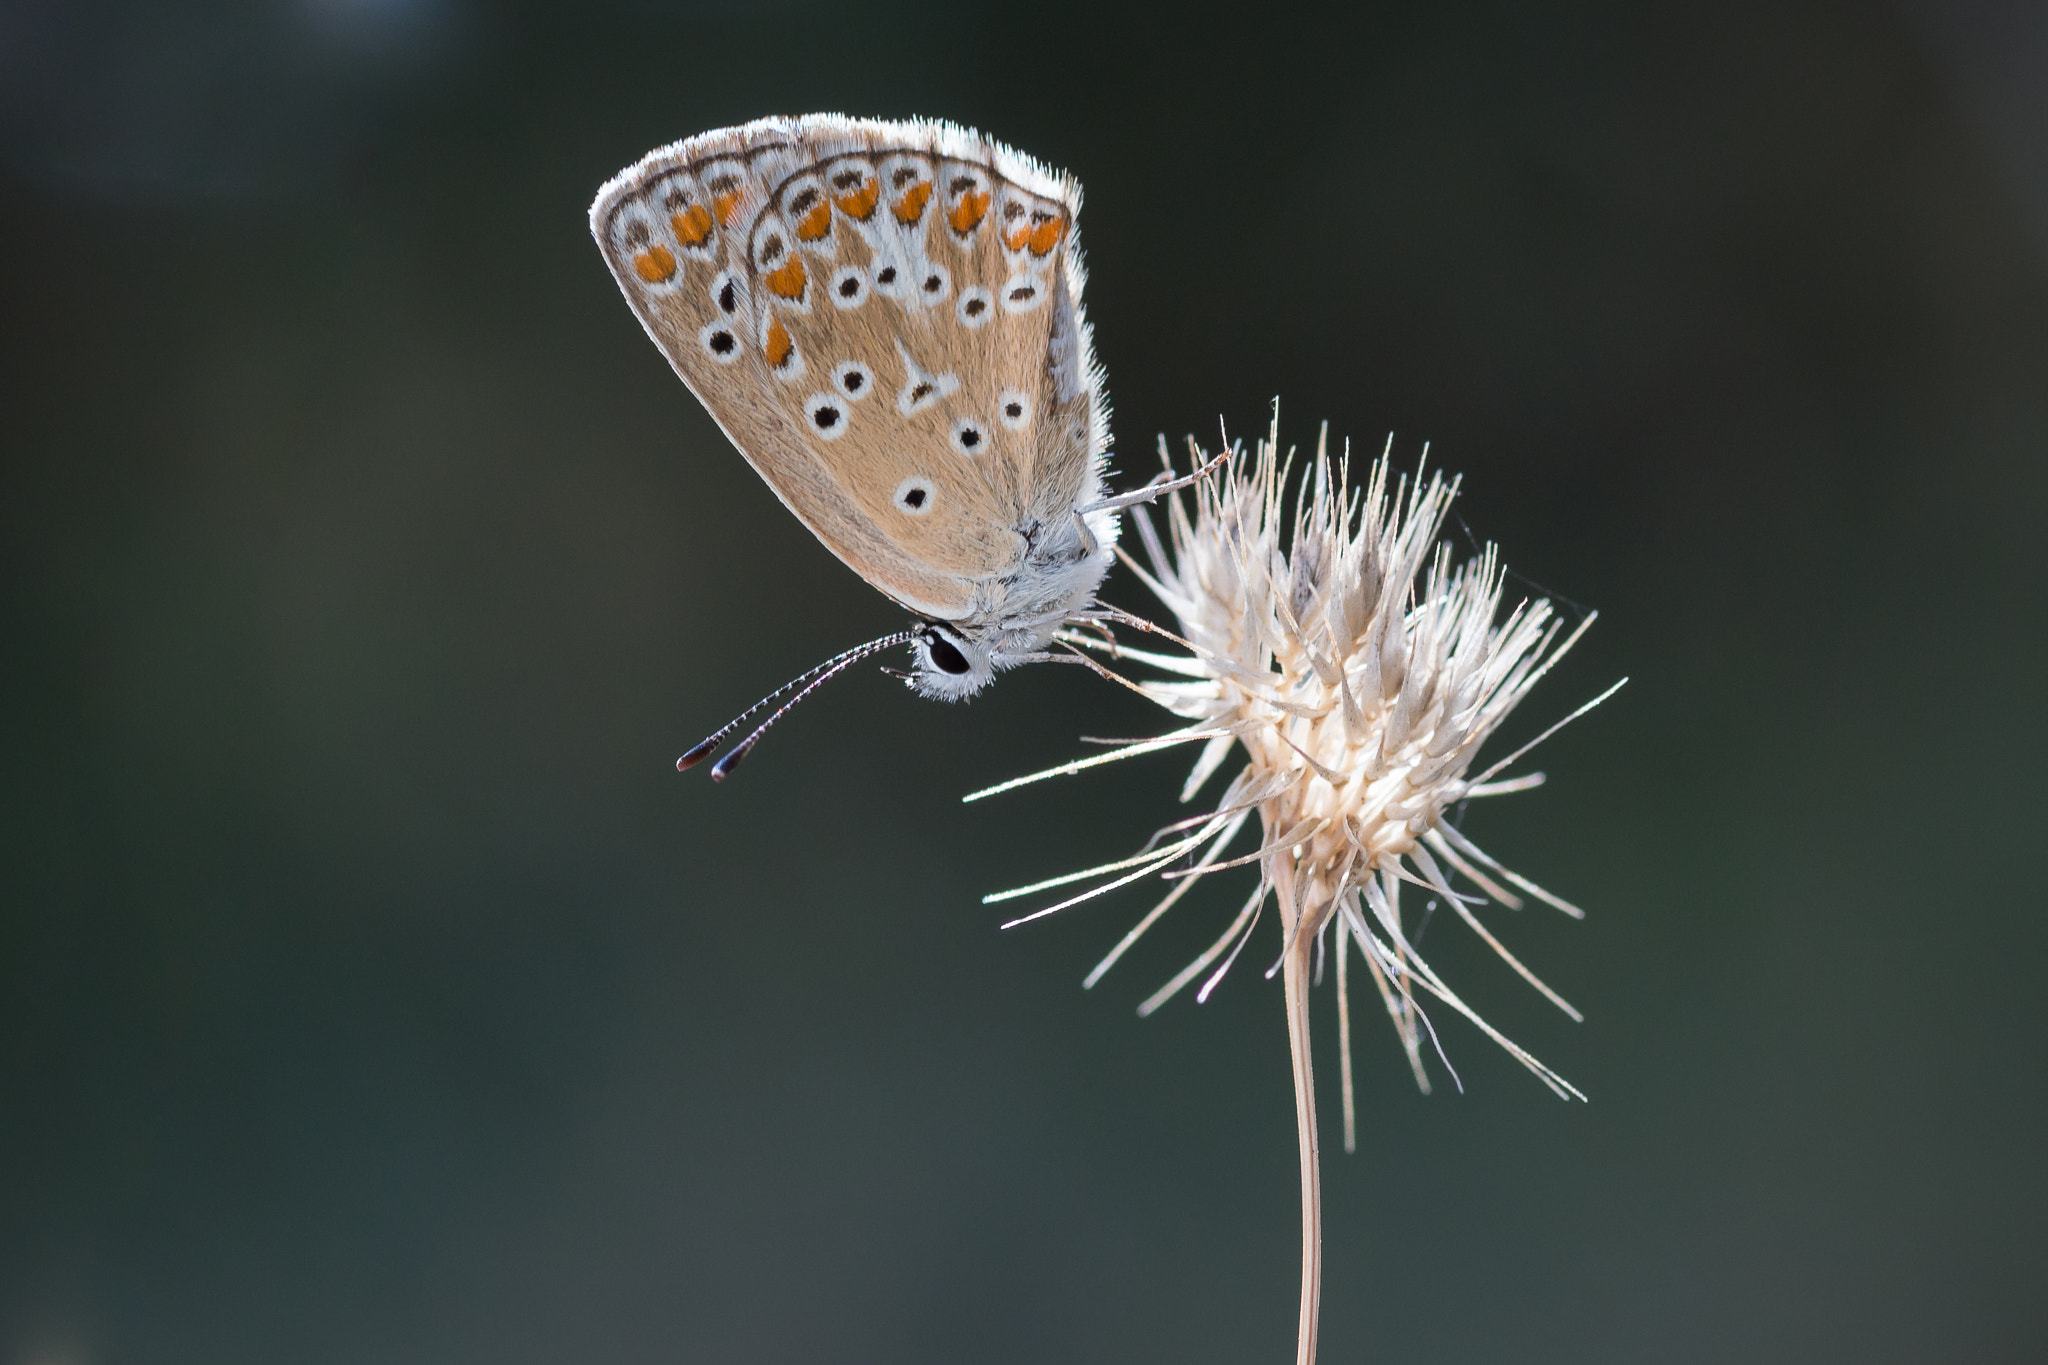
885,318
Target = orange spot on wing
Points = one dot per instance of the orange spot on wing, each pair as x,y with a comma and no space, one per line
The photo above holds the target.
655,265
860,204
816,223
1016,237
692,225
910,207
788,282
779,347
973,206
1046,236
726,204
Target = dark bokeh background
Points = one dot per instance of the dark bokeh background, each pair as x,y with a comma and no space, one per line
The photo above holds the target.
371,988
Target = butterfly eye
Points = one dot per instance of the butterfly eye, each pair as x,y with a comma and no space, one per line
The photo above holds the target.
648,259
780,351
853,379
976,306
809,212
827,414
969,438
910,189
921,390
721,342
967,199
725,292
946,656
849,287
914,496
856,190
688,220
1013,409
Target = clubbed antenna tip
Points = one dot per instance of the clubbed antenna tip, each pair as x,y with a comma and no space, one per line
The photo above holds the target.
805,683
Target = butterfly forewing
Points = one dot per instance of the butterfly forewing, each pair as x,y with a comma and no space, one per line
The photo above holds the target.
885,319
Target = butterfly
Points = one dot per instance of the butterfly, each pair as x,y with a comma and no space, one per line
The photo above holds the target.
885,318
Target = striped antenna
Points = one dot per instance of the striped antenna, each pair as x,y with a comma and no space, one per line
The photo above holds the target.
808,681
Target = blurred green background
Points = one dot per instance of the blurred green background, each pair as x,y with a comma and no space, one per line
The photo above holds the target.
372,988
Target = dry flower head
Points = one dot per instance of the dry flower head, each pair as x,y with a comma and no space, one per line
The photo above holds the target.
1354,670
1358,703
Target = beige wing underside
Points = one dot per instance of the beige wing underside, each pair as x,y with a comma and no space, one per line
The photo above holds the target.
885,318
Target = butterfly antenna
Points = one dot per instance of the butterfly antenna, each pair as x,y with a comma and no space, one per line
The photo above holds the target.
825,674
807,680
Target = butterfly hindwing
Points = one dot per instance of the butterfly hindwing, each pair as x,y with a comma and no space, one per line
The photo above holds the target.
885,318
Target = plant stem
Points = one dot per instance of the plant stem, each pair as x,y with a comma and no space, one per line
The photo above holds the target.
1295,986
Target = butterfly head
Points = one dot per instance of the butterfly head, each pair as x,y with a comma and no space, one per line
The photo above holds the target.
949,665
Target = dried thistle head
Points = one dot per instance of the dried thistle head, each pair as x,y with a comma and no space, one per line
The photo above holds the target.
1334,648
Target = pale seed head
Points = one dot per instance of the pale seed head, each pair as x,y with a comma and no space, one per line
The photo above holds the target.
1328,640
